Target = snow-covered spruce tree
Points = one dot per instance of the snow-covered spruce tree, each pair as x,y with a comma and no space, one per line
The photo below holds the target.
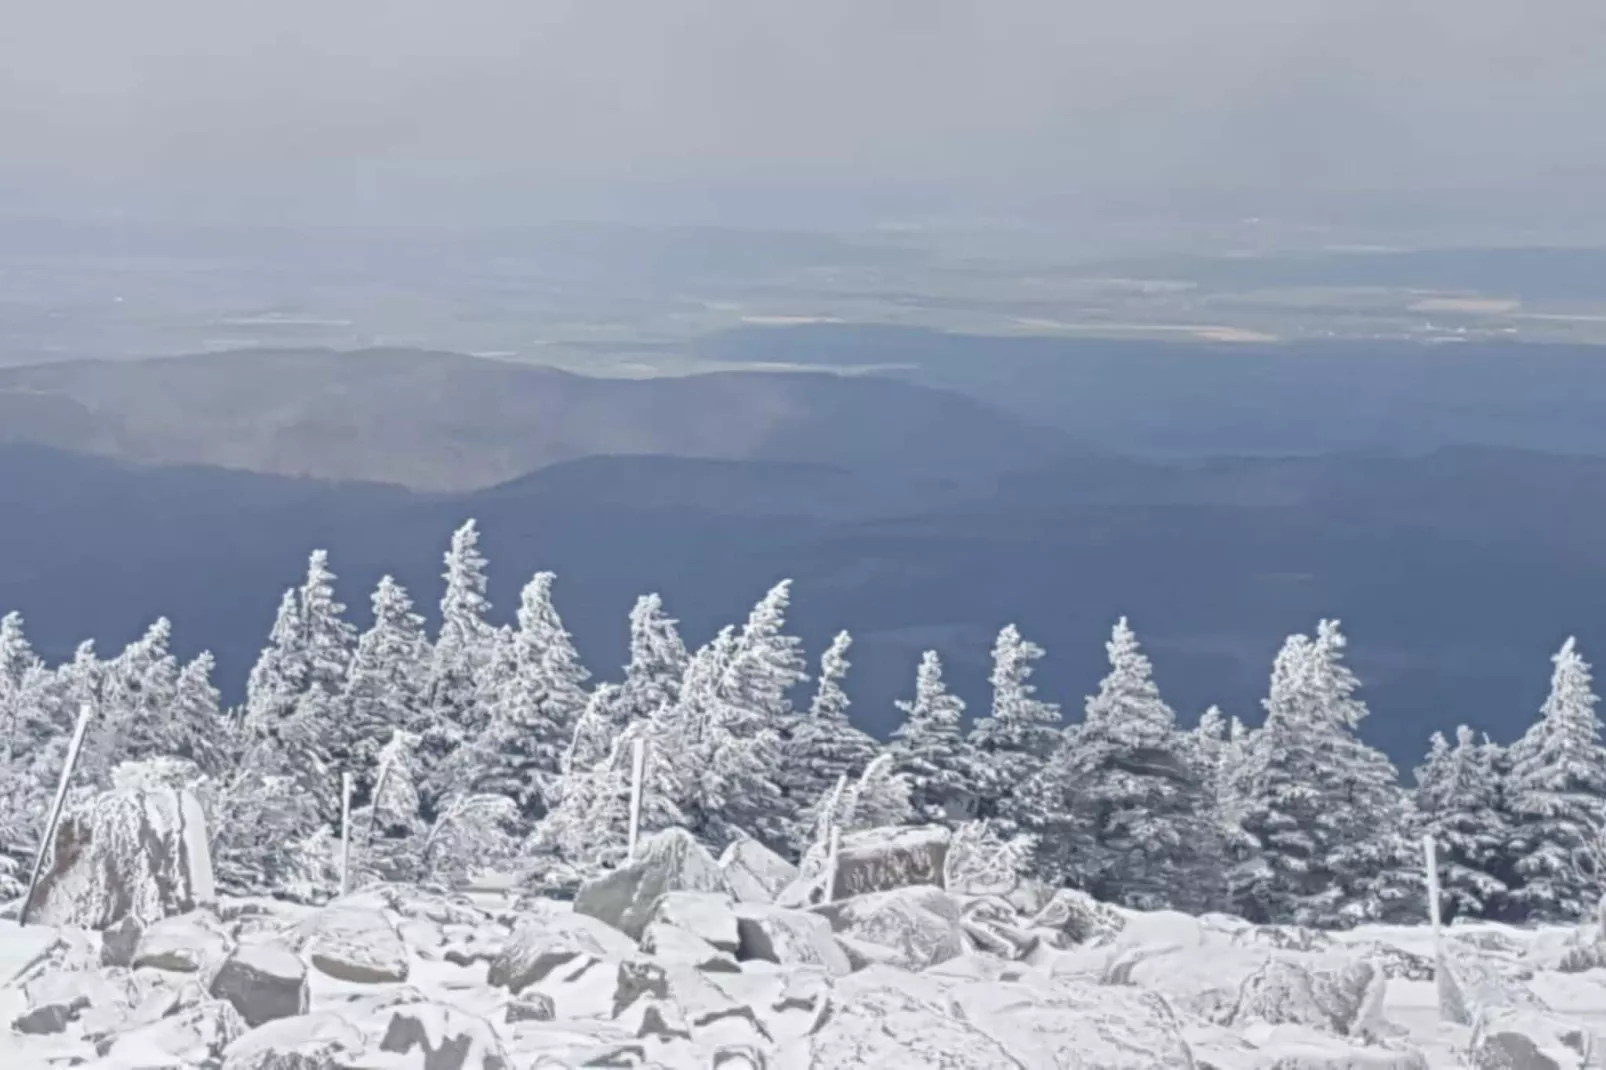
1458,802
1126,815
384,690
589,827
658,660
200,732
930,748
823,745
26,752
463,674
1556,793
1322,813
313,736
279,675
1019,736
84,681
135,721
877,798
532,721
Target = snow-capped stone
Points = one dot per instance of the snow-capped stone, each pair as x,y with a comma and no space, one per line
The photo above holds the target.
351,944
1470,985
677,945
788,938
1518,1038
880,859
1346,998
184,943
1111,1028
195,1036
138,851
409,901
120,941
531,1007
59,998
444,1038
263,981
670,861
755,873
992,926
23,948
317,1040
879,1019
538,947
710,916
1296,1047
920,924
1077,918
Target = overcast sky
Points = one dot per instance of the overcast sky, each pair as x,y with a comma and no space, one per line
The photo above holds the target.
501,106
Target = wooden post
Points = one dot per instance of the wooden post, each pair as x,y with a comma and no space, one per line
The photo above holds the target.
1431,853
638,768
345,833
833,844
45,844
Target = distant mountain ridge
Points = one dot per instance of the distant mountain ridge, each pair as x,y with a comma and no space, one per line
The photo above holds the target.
1456,574
446,422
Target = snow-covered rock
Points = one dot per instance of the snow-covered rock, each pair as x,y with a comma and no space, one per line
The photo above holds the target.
670,861
710,916
1345,998
22,948
183,943
755,873
318,1040
195,1036
880,859
1075,917
541,945
788,938
263,981
1519,1038
672,944
352,944
919,925
133,851
1051,1025
442,1037
1470,985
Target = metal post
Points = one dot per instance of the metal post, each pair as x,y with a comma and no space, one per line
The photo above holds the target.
638,767
345,833
45,844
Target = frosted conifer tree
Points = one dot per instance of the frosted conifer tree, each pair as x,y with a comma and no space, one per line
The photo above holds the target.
26,735
1556,791
823,745
1458,803
532,723
765,663
1130,815
137,716
279,676
460,678
930,748
1017,739
384,690
201,734
1321,812
658,660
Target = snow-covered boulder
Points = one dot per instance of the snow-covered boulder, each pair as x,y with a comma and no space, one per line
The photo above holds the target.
23,948
195,1036
538,947
674,1000
263,981
920,926
1514,1038
133,851
1040,1024
318,1040
755,873
669,861
880,859
351,944
60,998
1345,998
788,938
184,943
672,944
710,916
442,1037
881,1017
1470,985
1074,917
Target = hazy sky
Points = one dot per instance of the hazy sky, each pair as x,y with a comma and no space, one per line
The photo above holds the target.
498,106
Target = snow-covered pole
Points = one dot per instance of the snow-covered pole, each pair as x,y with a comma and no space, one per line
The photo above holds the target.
345,832
638,768
833,843
1430,852
73,748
